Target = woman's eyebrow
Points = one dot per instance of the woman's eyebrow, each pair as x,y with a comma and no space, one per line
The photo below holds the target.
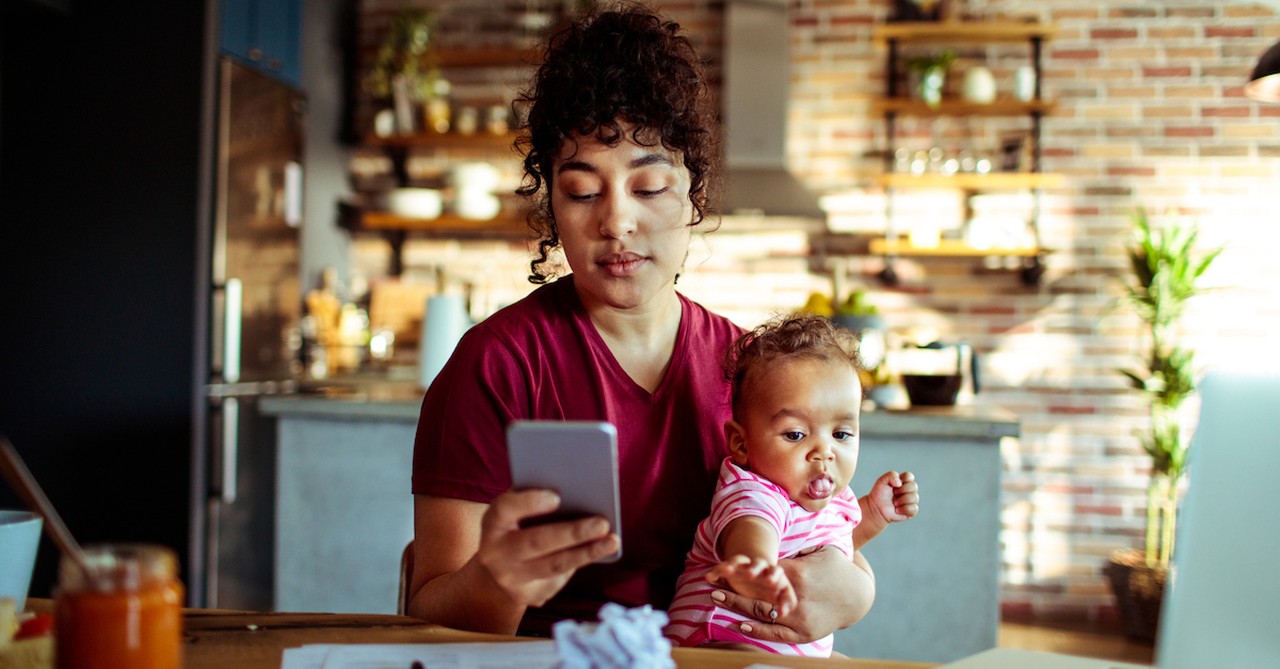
642,161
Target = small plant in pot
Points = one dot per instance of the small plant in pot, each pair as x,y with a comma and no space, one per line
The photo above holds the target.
1166,270
402,72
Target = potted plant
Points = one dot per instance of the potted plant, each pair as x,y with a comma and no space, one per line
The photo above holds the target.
1166,270
402,71
929,75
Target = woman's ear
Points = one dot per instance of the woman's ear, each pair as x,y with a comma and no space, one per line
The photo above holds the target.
736,437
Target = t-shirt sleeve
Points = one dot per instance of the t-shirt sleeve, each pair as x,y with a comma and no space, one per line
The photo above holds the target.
747,497
460,447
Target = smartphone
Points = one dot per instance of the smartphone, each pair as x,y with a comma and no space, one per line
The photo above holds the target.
578,460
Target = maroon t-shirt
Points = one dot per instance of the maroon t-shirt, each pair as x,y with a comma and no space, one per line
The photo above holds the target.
541,358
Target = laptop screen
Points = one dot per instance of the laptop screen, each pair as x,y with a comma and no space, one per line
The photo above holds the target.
1223,597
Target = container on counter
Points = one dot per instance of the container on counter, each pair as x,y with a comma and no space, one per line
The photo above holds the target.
124,612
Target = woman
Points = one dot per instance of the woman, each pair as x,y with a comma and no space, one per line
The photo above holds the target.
619,154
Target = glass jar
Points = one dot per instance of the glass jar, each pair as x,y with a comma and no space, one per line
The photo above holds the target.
124,612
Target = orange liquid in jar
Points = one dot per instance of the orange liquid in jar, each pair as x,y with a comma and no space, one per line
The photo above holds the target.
123,617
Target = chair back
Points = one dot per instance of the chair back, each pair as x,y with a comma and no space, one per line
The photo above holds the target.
406,575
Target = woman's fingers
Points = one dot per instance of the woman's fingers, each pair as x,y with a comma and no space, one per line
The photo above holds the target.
532,564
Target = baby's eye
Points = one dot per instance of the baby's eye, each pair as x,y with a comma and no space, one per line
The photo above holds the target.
793,435
843,435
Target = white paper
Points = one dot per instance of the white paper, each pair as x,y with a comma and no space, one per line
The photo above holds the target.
513,655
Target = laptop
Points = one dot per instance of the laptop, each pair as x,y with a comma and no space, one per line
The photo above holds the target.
1223,594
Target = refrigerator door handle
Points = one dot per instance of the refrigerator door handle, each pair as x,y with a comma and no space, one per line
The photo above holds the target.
230,449
293,193
233,301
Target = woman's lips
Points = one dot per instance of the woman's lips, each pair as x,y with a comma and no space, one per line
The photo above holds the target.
621,264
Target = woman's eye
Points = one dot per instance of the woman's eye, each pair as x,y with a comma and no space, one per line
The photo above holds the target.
650,193
580,197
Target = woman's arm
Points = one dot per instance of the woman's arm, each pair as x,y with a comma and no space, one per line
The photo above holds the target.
476,569
835,592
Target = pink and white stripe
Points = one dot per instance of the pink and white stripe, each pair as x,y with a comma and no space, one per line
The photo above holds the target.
695,618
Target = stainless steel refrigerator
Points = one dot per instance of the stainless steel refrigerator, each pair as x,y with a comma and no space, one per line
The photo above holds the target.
254,311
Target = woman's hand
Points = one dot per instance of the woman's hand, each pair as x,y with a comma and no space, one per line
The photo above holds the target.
530,565
756,579
833,591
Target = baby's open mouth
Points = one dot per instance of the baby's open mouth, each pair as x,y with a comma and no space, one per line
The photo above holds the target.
821,487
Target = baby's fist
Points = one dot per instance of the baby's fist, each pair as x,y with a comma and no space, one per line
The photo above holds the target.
896,496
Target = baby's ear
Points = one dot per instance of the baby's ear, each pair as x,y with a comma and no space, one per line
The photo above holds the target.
736,438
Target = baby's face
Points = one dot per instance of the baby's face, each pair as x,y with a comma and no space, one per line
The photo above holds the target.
800,428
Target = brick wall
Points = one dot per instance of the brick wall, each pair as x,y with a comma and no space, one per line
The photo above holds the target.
1150,113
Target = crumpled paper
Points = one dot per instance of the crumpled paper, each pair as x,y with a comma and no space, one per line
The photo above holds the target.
624,638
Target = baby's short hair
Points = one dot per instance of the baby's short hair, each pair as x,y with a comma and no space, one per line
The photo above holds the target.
796,336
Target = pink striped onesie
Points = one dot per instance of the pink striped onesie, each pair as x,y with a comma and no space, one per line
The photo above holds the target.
695,619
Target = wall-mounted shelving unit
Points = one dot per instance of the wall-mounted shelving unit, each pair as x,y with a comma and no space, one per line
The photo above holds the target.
478,145
897,104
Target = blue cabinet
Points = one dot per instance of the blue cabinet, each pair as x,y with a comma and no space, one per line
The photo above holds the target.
265,34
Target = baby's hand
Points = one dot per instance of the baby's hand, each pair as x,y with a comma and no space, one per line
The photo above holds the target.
895,496
756,579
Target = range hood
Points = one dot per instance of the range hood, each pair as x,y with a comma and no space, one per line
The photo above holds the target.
757,78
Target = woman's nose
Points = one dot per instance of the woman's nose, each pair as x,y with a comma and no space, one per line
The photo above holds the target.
617,218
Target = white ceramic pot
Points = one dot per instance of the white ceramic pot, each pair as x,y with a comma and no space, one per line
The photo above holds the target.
979,85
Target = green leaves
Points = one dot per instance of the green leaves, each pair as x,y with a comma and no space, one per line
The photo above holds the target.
1166,270
403,53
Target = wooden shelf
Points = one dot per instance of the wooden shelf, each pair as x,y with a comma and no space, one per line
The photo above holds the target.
1001,107
949,32
445,225
448,140
946,248
967,181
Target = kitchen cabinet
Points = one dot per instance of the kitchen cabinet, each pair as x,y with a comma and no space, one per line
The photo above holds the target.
265,34
1015,168
367,215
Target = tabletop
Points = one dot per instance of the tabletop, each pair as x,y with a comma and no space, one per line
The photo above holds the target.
218,639
215,639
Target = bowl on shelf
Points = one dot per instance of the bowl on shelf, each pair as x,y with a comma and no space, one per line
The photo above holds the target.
933,390
415,202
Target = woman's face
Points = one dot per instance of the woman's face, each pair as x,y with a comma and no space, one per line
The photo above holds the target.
624,215
799,428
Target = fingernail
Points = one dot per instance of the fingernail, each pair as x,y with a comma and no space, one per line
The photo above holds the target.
717,595
745,627
598,527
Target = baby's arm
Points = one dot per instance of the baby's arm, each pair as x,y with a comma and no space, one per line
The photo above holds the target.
893,498
750,566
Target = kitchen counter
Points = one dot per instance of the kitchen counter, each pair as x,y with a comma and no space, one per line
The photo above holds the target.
401,401
345,512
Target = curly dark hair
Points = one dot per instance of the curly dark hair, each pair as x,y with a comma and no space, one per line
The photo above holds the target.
798,336
624,64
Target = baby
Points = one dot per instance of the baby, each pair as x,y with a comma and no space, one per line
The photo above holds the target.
784,489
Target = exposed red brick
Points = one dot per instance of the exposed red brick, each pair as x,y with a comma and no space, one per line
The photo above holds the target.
1071,410
1131,171
1230,31
1168,71
1190,131
1074,54
1235,112
1113,33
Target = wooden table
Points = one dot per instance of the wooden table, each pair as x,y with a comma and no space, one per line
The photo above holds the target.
219,639
251,640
